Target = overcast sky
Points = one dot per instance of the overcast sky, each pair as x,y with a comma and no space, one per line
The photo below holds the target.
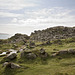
25,16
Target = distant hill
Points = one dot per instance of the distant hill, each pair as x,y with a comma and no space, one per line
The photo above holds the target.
59,32
4,34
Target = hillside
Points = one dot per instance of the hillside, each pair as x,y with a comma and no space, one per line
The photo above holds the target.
59,32
20,55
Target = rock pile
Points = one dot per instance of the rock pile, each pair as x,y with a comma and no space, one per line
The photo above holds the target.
18,38
64,52
53,33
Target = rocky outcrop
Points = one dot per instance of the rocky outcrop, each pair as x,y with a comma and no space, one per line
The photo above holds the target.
11,65
11,56
28,55
31,56
34,54
53,33
18,38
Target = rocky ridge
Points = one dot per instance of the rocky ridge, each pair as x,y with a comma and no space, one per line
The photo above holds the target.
59,32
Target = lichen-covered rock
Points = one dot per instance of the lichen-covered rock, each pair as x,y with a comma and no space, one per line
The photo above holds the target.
62,52
43,54
71,51
28,55
31,56
5,63
11,56
18,38
11,65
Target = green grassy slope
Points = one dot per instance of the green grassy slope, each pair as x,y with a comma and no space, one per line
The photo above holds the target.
49,66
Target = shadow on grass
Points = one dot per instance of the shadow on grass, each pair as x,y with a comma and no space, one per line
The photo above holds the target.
58,73
9,71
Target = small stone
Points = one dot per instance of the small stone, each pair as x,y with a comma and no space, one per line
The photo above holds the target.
42,51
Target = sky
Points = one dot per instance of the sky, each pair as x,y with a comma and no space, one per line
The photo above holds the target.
25,16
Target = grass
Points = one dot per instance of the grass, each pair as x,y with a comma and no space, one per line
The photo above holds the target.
49,66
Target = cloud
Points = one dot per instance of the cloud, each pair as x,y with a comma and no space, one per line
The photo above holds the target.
37,19
16,4
14,20
8,14
48,17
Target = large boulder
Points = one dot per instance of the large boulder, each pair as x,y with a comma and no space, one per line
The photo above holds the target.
43,54
62,52
71,51
11,65
5,63
31,56
11,56
28,55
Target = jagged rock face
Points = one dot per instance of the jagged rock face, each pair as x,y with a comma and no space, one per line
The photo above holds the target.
59,32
